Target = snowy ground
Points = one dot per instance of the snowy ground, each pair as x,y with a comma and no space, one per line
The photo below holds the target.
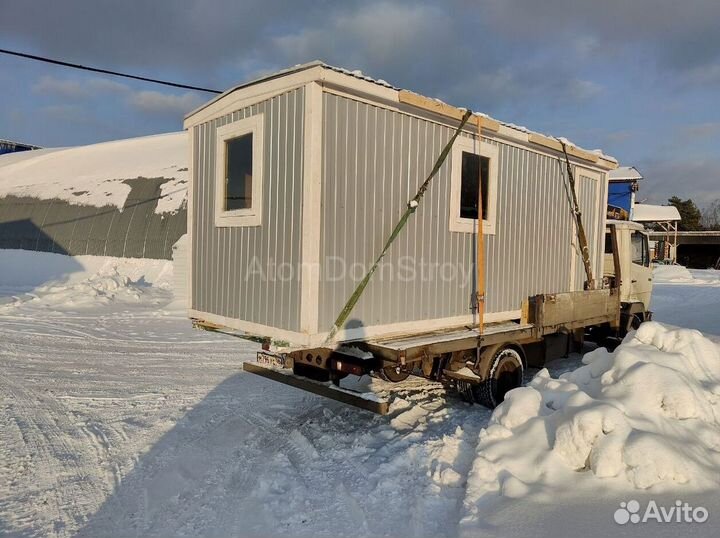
118,419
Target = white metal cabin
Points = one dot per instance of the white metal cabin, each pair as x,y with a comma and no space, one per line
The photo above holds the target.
325,161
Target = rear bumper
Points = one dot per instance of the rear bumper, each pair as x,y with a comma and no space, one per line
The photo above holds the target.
367,401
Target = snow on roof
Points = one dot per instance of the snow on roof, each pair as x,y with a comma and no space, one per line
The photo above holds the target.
356,73
94,175
16,143
625,173
655,213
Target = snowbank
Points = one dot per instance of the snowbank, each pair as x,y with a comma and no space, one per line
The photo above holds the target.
646,417
50,279
671,273
94,175
688,298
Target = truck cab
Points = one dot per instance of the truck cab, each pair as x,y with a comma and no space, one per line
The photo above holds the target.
627,267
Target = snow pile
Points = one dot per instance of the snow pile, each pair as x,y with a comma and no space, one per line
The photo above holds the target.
48,279
645,417
672,273
101,288
95,175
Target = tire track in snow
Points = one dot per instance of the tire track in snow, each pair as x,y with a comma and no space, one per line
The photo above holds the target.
55,465
211,448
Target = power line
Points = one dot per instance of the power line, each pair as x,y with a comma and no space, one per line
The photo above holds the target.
105,71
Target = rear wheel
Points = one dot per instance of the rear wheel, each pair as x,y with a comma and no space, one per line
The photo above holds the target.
394,374
504,373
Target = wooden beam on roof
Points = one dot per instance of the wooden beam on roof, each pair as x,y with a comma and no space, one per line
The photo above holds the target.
610,165
551,143
449,111
443,109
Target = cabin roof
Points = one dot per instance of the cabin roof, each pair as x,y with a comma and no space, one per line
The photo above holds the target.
533,136
625,173
655,213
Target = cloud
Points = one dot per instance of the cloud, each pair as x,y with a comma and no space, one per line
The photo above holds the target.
523,86
616,138
153,102
702,130
192,37
105,85
678,36
60,87
377,34
583,90
701,76
412,45
146,101
698,179
423,47
411,40
77,88
629,74
67,113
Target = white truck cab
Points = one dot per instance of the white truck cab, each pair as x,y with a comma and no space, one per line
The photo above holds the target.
630,270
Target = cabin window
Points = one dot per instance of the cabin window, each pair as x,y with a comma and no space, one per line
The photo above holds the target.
238,170
473,172
473,166
238,173
640,249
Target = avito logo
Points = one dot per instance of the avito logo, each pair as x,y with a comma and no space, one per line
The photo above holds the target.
680,512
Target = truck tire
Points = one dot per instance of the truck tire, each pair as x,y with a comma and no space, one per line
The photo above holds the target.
504,373
393,375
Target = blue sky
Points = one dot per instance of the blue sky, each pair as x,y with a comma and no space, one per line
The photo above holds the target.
639,79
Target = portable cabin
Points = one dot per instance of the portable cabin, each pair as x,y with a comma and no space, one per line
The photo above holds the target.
298,178
623,184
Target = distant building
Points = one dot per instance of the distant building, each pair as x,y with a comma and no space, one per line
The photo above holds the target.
8,146
621,192
123,198
664,218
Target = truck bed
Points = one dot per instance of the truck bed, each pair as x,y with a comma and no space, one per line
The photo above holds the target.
446,341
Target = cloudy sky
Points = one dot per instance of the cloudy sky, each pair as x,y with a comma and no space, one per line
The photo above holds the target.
639,79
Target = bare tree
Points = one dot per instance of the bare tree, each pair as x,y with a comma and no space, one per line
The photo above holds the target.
711,216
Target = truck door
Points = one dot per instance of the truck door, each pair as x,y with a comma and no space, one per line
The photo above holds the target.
640,270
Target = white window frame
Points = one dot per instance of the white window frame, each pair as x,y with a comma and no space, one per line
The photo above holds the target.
251,216
465,225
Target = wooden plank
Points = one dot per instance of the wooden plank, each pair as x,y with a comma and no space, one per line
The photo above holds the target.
575,308
610,165
490,124
480,261
206,325
553,144
443,109
345,396
616,256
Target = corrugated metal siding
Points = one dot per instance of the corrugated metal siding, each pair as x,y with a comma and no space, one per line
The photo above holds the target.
373,162
589,188
232,268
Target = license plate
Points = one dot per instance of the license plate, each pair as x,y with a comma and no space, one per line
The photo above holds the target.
278,361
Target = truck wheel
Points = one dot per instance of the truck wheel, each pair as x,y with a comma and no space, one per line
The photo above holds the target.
393,374
504,373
